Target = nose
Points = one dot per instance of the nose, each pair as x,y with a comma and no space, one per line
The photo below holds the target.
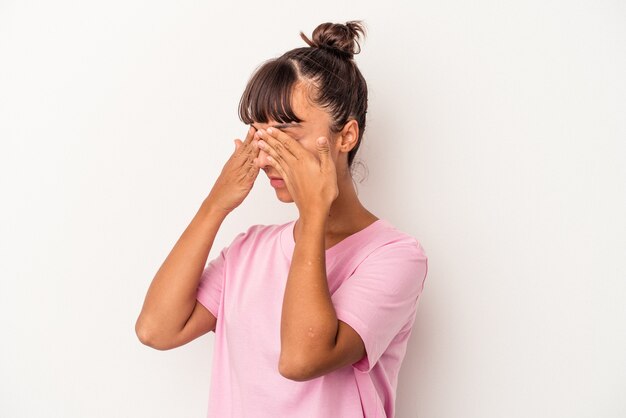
262,159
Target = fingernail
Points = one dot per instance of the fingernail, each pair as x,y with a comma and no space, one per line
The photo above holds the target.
270,130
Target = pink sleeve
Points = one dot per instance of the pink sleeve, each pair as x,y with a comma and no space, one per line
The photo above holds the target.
380,298
209,292
211,283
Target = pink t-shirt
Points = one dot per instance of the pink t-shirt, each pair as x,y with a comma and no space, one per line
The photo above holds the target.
375,277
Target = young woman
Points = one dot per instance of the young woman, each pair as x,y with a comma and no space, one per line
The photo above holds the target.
311,317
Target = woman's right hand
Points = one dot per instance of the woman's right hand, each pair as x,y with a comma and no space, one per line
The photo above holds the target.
237,176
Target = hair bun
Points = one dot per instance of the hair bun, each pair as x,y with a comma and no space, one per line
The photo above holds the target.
337,37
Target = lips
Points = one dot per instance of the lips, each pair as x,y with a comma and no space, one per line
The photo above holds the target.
277,182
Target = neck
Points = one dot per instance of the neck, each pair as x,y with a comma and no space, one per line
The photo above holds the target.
346,212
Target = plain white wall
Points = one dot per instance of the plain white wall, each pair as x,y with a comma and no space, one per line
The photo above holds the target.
495,136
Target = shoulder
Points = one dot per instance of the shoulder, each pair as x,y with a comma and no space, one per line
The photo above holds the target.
391,239
258,233
394,253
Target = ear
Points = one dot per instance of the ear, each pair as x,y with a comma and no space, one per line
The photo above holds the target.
349,136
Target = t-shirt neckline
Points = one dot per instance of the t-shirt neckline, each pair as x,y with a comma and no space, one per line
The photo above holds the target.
289,243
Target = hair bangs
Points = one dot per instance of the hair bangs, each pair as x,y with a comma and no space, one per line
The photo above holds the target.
268,94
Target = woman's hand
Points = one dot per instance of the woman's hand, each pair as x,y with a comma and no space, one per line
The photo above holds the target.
237,176
311,179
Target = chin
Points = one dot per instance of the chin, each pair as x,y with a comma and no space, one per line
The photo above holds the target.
284,196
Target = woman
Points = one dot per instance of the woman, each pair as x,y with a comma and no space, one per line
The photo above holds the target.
311,317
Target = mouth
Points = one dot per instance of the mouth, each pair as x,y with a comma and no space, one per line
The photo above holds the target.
277,182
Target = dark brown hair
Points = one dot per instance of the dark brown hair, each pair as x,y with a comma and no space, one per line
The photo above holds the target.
328,65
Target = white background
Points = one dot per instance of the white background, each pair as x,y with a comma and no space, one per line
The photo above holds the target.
495,136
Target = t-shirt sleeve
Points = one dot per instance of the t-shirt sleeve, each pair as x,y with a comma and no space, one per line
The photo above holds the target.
209,292
211,283
380,297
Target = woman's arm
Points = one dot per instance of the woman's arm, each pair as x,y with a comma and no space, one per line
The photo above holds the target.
313,341
171,297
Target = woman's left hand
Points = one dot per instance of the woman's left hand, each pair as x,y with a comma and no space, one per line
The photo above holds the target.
311,179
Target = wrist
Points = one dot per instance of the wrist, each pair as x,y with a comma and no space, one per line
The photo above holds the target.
314,218
211,210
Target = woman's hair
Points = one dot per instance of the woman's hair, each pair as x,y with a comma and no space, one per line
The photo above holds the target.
326,66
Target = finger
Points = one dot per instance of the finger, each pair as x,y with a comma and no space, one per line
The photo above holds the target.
250,134
278,167
279,140
253,169
271,151
323,149
247,150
